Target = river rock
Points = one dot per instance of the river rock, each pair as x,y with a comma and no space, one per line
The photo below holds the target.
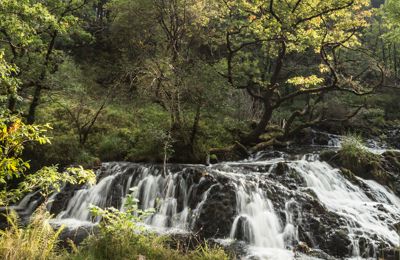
218,212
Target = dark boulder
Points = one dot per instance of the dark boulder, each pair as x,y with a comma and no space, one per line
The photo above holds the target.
339,243
60,200
389,254
76,235
218,212
384,169
242,231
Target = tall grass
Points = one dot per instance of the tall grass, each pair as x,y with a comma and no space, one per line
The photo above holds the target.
38,240
355,157
122,236
353,151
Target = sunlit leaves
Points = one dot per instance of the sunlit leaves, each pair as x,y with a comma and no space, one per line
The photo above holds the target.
8,83
305,82
391,17
302,25
32,31
14,134
49,179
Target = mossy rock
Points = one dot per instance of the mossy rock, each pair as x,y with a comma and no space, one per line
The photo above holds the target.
349,175
393,157
384,169
231,153
363,164
328,155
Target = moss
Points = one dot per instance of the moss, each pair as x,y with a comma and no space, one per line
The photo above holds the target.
393,157
356,158
349,175
231,153
328,155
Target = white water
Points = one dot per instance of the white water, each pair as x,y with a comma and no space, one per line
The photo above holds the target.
78,206
257,215
270,235
350,201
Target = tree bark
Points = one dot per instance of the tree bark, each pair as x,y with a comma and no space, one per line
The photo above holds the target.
31,117
253,136
195,127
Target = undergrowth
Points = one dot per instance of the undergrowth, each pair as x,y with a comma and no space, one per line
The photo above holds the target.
357,158
38,240
120,236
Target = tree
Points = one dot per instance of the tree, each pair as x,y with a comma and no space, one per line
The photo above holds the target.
279,52
165,48
14,135
71,91
8,84
33,34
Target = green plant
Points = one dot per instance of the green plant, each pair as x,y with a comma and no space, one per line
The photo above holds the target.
123,236
14,134
355,157
38,240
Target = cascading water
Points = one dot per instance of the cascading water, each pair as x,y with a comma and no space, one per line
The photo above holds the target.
258,224
361,214
346,199
271,202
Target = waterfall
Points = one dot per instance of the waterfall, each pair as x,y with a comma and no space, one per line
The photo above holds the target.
78,206
270,202
363,216
257,219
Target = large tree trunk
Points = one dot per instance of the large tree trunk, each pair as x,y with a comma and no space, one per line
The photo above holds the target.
254,135
195,127
12,102
31,117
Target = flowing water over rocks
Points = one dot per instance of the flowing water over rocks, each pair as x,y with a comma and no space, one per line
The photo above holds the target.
273,206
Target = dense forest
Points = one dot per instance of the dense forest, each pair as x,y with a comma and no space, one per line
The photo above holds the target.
173,82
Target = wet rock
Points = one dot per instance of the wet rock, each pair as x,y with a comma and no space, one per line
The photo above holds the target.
389,254
384,169
302,247
397,227
76,234
231,153
242,230
281,168
391,163
60,201
217,213
328,156
236,249
319,254
339,243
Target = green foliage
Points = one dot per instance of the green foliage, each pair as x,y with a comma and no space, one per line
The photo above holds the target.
122,236
14,134
390,11
352,147
49,180
38,240
8,83
356,157
32,36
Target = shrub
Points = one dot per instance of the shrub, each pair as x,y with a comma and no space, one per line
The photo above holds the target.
38,240
356,157
114,147
122,236
353,151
